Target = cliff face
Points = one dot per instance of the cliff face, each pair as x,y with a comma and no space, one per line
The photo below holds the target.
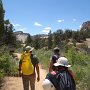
85,25
20,36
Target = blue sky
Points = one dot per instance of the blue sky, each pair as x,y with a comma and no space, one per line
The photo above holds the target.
41,16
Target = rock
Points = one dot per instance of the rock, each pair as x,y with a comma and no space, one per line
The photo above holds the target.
85,25
20,36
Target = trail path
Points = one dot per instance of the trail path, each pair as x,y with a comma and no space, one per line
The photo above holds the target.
15,83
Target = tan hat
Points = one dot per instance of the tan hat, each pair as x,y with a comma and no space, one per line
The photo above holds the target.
62,61
29,48
56,48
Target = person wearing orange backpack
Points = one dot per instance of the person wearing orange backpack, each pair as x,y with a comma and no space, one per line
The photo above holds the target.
27,66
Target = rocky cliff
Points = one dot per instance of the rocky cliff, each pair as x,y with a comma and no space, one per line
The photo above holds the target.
85,25
20,36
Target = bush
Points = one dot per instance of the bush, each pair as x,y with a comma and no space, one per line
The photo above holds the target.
7,63
44,57
80,65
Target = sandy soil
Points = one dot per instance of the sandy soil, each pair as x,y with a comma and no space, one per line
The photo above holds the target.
15,83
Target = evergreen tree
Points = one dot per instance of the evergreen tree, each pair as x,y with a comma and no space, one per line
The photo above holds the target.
1,21
82,35
68,34
29,40
49,40
37,42
9,37
76,35
58,37
44,42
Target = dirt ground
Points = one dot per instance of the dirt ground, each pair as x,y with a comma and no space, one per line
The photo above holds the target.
15,83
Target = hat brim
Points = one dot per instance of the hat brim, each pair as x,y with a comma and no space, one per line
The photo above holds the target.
58,64
31,49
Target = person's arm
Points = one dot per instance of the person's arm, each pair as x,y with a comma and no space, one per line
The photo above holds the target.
38,72
20,64
50,65
35,62
72,74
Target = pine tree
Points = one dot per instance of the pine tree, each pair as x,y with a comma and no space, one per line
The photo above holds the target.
49,40
1,21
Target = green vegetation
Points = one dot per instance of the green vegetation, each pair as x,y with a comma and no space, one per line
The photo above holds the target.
80,65
1,20
44,57
57,37
79,59
8,66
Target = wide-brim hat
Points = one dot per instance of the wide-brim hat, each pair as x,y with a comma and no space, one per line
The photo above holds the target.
29,48
56,48
62,61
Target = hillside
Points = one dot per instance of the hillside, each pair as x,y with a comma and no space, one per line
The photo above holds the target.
87,42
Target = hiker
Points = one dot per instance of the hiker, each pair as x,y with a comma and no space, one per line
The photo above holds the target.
65,77
27,76
62,79
54,58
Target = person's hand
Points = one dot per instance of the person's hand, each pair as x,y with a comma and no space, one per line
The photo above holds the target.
20,74
53,73
38,79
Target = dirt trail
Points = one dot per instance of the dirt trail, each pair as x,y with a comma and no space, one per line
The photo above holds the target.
15,83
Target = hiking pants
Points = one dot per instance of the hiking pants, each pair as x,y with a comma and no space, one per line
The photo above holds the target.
29,79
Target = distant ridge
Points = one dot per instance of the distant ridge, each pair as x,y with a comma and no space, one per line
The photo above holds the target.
22,37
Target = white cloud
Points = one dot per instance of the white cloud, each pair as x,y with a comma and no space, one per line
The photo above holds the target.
46,30
37,24
22,29
74,19
80,26
16,25
60,20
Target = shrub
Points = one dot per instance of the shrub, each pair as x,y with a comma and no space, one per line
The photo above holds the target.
80,65
44,57
7,63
